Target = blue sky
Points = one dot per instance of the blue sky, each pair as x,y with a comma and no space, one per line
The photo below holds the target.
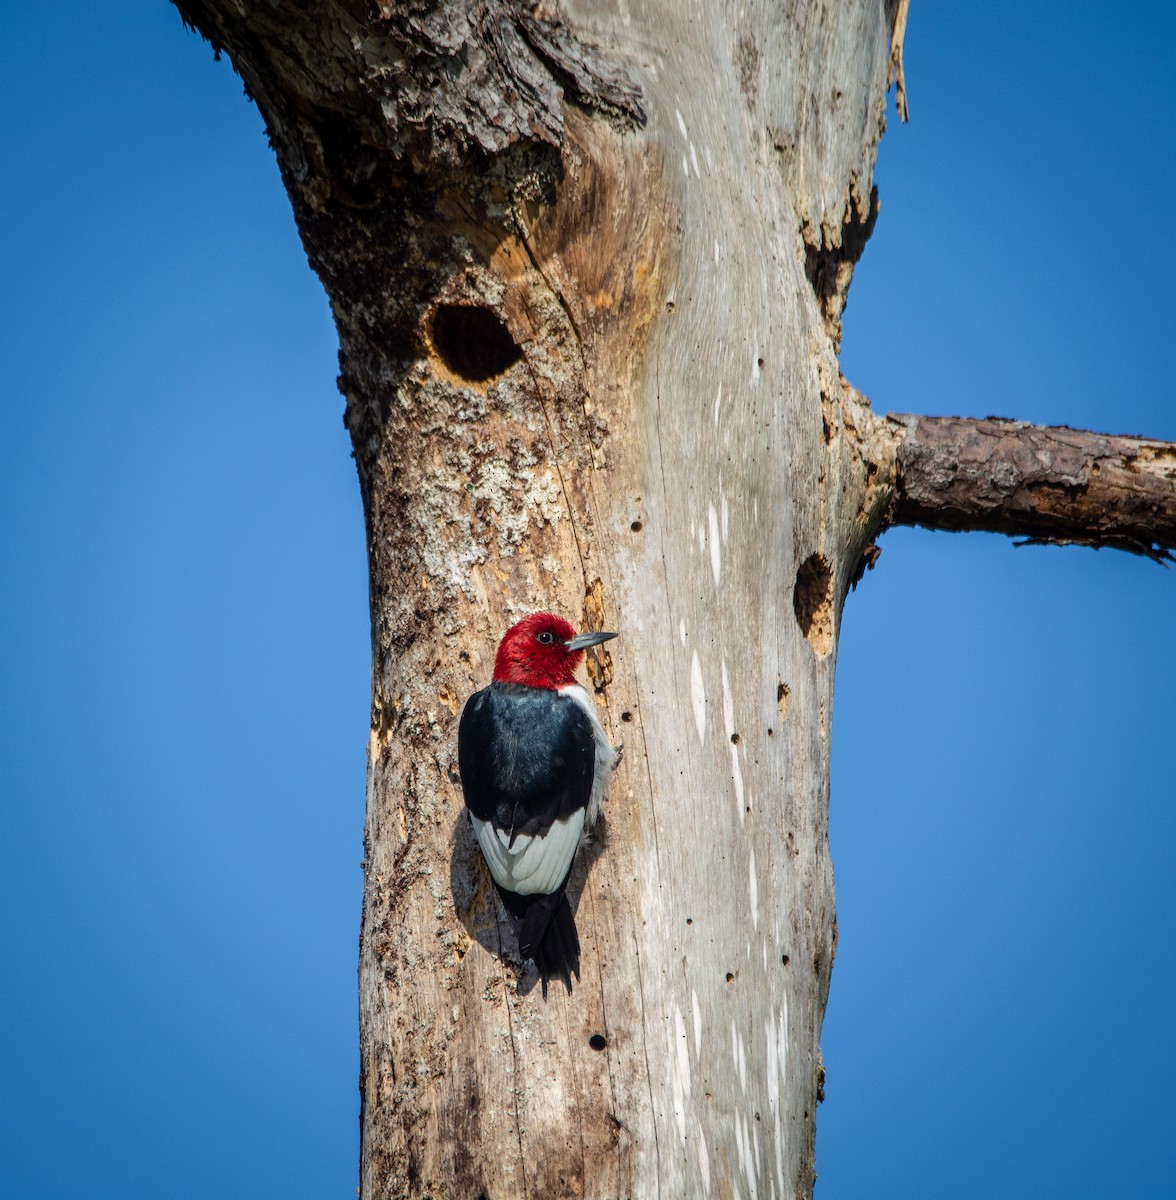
184,638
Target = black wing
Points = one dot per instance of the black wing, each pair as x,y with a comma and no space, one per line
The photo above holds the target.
527,757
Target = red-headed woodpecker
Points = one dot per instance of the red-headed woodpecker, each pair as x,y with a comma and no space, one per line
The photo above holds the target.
535,762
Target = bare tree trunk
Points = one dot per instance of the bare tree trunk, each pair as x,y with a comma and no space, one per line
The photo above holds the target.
587,269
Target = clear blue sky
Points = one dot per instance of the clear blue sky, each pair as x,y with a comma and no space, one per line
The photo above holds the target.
183,633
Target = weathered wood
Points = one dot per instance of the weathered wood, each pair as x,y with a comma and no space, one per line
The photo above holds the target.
1046,484
587,268
587,274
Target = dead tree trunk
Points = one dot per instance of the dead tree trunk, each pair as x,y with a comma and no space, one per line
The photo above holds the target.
587,267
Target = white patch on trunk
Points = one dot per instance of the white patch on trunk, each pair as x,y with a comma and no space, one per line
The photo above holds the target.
739,1143
697,1014
698,696
703,1163
712,521
773,1079
682,1051
679,1072
753,893
742,1063
743,1143
777,1065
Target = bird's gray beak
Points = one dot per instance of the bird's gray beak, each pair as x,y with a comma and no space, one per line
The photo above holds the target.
583,640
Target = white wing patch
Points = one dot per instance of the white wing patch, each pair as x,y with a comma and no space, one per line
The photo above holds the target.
534,865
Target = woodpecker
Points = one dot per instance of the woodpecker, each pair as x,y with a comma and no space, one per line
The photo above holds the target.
535,763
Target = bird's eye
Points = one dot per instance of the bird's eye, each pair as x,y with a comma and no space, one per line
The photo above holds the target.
546,638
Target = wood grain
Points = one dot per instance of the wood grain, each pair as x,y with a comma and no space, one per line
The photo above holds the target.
654,209
1047,484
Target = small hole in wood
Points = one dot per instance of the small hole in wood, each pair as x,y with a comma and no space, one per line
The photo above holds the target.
785,959
626,715
597,1041
730,977
636,527
472,342
689,920
734,739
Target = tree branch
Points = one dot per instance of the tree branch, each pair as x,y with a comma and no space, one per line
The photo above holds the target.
1048,484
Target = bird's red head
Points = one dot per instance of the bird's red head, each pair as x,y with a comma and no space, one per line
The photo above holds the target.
542,650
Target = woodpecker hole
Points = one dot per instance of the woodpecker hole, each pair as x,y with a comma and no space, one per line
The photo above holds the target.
626,715
730,977
636,527
734,739
812,601
785,959
689,920
472,342
597,1041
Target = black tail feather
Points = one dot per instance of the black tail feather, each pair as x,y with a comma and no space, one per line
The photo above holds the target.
547,934
558,950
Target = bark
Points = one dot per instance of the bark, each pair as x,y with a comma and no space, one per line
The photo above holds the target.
1056,485
587,268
